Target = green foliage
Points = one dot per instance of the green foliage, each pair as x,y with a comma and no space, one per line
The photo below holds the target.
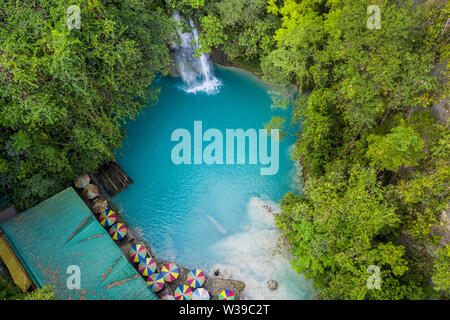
442,270
368,89
246,29
8,290
401,147
187,8
300,37
47,292
212,34
177,4
335,231
326,44
276,122
64,93
423,194
321,132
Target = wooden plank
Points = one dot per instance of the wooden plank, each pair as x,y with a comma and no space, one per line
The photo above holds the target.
112,178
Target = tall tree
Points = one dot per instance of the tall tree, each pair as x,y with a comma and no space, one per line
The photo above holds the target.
65,92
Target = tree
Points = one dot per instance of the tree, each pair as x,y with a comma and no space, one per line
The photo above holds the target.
442,270
372,73
423,193
242,27
212,34
361,82
65,93
336,233
9,291
401,147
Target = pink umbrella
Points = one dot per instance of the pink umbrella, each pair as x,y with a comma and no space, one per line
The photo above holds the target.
82,181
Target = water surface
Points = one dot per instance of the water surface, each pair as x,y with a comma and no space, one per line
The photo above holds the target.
209,216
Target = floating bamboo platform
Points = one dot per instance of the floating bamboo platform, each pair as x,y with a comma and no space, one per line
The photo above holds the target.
112,178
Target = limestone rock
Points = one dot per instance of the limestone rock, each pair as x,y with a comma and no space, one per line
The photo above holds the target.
272,284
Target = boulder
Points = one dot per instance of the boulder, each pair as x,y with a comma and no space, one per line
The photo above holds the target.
272,285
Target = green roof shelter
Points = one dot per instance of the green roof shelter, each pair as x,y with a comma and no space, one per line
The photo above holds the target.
59,237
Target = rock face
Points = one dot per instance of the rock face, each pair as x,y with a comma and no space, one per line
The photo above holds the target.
272,284
174,72
218,56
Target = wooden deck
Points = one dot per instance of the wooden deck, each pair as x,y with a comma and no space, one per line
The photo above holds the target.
112,178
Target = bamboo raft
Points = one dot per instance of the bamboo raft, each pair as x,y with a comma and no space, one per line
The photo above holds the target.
112,178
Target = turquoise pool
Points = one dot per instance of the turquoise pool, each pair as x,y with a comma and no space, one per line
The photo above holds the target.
210,216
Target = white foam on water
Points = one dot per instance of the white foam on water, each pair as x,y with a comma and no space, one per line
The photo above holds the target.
257,255
209,87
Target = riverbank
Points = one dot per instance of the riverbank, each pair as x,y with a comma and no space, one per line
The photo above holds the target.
219,57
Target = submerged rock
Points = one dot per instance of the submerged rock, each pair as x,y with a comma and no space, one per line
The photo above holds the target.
272,285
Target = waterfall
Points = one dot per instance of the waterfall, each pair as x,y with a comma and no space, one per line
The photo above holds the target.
196,73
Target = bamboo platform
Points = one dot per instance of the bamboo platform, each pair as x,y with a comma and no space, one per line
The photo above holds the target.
112,178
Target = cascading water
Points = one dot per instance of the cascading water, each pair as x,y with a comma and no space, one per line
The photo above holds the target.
196,72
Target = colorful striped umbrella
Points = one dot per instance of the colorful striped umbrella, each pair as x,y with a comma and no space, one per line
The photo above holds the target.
147,267
201,294
196,278
226,295
170,271
82,181
168,297
183,292
156,281
118,231
138,253
107,218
